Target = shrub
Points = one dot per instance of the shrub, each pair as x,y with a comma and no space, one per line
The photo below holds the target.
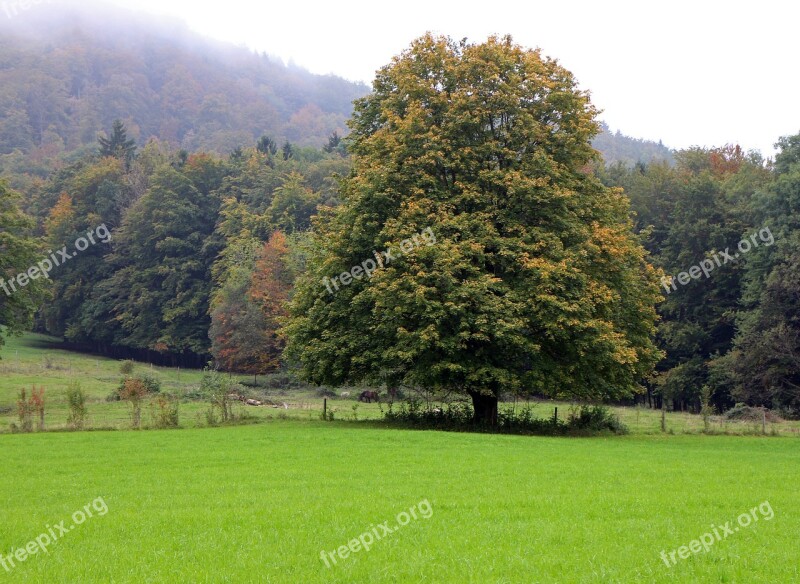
459,417
134,391
165,411
596,419
216,388
455,416
127,366
28,407
76,402
282,380
37,404
25,412
151,382
744,413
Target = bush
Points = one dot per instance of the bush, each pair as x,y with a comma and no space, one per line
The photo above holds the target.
151,382
76,402
165,411
37,403
459,417
596,419
28,407
126,367
744,413
25,412
282,380
216,387
134,391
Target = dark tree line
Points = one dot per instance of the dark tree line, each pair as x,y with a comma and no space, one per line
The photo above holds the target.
732,336
191,238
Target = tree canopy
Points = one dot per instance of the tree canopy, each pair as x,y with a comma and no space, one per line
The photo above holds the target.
19,252
535,280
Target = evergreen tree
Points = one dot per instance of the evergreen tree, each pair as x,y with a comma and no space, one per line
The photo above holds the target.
267,145
118,145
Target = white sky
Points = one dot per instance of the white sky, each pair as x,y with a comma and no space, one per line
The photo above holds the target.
688,72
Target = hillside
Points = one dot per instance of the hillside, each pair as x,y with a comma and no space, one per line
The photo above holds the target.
67,73
617,147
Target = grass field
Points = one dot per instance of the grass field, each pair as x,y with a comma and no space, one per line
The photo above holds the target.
37,360
259,504
265,502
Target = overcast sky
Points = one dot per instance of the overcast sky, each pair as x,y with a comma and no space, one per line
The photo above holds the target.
689,73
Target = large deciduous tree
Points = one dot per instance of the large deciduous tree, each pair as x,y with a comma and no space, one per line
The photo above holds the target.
535,280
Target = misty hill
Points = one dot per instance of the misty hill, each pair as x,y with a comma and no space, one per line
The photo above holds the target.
617,147
66,73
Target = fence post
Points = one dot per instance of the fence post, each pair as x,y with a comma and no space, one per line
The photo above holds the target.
555,415
325,408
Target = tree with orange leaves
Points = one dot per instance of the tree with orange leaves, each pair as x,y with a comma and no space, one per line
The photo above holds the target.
271,283
248,306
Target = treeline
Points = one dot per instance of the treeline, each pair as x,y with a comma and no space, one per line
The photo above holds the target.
205,250
730,333
201,251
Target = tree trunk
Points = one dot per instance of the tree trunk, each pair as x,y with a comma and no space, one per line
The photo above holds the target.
485,408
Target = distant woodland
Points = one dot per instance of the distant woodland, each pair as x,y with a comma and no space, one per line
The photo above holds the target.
65,76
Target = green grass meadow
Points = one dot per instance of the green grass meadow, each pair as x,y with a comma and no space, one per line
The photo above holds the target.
38,360
260,502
